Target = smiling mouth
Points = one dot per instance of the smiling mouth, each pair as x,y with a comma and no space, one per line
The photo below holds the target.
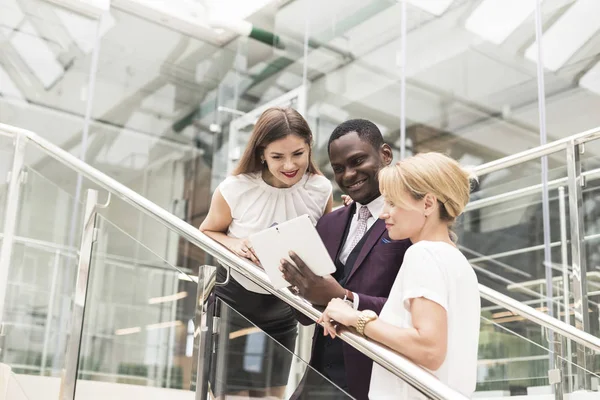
290,174
356,185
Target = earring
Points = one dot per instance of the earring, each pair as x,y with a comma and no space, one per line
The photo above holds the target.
262,161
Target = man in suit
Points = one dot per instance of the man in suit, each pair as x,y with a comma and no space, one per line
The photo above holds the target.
367,260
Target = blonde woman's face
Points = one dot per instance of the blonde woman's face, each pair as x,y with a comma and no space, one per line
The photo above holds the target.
287,160
404,221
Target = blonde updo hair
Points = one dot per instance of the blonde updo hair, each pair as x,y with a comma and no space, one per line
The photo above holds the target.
425,173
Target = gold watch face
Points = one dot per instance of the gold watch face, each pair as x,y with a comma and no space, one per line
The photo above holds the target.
370,314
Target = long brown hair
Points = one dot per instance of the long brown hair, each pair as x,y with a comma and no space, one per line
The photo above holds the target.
274,124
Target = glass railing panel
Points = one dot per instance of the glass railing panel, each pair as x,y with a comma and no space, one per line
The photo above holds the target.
7,149
176,182
41,278
590,192
248,362
35,301
517,355
502,232
48,212
139,315
509,362
504,239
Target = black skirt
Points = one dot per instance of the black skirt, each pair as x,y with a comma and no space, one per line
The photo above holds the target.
254,360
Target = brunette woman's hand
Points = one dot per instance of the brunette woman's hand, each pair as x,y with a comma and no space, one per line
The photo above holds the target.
243,248
347,200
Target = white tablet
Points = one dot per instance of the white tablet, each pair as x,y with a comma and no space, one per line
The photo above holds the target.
297,235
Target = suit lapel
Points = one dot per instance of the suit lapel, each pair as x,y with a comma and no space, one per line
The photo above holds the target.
375,234
336,237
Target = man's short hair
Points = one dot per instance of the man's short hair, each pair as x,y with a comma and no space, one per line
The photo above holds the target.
366,130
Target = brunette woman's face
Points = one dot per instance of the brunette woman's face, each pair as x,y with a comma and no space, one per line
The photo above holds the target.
287,160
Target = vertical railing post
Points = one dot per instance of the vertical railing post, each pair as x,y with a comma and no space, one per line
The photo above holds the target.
67,391
555,375
204,334
578,257
566,280
221,331
51,298
10,224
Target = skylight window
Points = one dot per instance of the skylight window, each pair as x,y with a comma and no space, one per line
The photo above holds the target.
495,20
8,87
83,29
10,16
591,79
571,31
435,7
37,55
195,12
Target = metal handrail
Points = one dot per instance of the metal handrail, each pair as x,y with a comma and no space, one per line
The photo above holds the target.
524,192
538,317
390,360
536,152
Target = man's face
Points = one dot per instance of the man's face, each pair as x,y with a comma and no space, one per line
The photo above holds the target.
356,165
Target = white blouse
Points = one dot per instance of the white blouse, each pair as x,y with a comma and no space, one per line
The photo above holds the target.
255,206
439,272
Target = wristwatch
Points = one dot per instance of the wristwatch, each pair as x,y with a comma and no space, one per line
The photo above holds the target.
364,318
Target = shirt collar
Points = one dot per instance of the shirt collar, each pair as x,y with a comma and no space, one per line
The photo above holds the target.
375,207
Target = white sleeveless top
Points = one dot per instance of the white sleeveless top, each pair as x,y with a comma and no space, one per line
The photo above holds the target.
255,206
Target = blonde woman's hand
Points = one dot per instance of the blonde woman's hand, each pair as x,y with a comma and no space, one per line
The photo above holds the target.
347,200
337,312
243,248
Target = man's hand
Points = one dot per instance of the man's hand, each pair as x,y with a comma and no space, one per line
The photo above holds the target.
316,289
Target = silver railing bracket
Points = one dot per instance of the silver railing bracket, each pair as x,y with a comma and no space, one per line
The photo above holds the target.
554,376
106,203
227,279
24,176
2,337
216,325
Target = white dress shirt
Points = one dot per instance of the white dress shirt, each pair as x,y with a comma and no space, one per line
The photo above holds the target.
375,208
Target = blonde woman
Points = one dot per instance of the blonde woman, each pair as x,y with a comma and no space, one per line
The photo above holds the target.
432,313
